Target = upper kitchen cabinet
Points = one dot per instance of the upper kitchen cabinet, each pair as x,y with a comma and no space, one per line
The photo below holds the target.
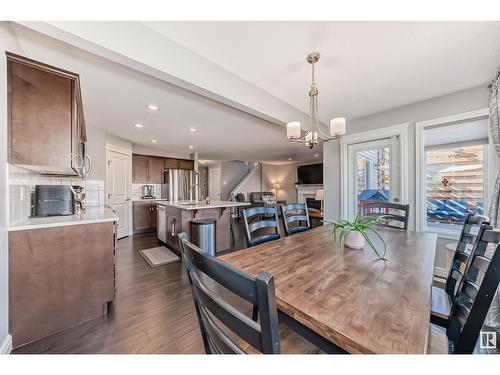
45,115
169,163
140,168
186,164
147,169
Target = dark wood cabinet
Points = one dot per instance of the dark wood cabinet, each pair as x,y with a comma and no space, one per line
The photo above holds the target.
59,277
170,163
144,217
186,164
45,117
140,168
149,169
155,170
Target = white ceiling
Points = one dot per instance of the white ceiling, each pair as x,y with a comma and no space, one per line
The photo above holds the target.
115,98
365,67
260,68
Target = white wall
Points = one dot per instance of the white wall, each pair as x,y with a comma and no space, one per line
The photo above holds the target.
8,42
96,148
462,101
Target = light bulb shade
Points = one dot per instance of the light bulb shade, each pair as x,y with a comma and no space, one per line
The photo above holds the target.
277,185
319,195
293,129
337,126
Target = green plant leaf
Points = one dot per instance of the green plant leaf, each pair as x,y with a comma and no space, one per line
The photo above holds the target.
383,241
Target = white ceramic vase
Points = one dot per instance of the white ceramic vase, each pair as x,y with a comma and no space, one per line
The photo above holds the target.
354,240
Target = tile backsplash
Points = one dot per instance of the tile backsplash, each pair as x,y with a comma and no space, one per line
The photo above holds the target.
22,182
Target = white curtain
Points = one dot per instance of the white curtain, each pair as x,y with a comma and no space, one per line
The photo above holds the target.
493,318
495,137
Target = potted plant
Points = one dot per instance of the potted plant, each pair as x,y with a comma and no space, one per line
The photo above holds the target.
353,234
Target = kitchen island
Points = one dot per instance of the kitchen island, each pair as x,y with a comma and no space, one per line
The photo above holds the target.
178,217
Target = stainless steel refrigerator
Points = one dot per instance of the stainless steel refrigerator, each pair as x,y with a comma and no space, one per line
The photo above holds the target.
180,185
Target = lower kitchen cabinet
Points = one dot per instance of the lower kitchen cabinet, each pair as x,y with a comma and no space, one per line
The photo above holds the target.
59,277
145,217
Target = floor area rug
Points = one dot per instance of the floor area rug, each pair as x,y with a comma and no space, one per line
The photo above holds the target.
159,256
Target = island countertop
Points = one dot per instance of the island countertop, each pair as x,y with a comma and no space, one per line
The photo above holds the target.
90,215
186,205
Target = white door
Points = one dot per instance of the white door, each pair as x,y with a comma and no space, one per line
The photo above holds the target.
374,173
214,188
118,186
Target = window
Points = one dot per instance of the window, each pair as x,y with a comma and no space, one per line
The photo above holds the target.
454,184
452,171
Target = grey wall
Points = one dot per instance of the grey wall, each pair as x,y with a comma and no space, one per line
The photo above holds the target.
232,172
286,175
8,42
462,101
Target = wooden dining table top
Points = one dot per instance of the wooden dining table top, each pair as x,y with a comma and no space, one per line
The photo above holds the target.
359,303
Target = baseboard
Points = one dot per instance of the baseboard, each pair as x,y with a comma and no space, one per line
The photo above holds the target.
6,346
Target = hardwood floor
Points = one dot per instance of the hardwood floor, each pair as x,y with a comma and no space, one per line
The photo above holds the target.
153,311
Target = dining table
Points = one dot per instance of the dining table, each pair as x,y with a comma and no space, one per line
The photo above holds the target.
346,300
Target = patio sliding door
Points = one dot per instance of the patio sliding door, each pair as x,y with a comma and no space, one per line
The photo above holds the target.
374,173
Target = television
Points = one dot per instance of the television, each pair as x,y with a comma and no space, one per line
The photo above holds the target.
310,174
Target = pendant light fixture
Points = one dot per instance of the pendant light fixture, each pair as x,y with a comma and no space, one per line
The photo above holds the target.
310,139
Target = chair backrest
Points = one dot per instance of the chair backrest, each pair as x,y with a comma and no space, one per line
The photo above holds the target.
395,215
463,254
295,213
240,197
258,227
477,290
221,322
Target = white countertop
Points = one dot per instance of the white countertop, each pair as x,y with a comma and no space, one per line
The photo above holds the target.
91,215
152,200
201,206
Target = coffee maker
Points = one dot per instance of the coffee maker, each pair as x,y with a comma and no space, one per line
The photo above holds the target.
148,192
79,198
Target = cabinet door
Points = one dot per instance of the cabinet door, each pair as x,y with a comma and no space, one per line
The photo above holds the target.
140,168
142,217
40,118
186,164
169,163
155,170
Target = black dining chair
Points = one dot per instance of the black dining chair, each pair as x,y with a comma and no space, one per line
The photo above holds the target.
261,225
443,299
224,328
393,215
476,292
295,218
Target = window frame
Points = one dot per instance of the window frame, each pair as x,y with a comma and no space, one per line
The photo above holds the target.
421,186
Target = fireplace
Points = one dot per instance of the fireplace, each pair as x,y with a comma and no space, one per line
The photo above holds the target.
313,203
305,192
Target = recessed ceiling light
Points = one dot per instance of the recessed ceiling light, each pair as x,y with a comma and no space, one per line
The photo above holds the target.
152,107
316,155
154,140
289,158
192,130
191,147
139,125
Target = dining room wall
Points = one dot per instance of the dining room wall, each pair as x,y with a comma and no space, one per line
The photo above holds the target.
462,101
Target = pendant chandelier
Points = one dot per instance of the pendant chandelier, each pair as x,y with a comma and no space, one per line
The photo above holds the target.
310,139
